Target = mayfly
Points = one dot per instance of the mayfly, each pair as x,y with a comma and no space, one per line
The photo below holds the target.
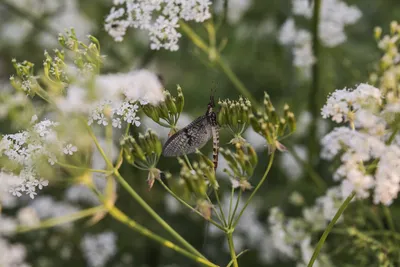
195,135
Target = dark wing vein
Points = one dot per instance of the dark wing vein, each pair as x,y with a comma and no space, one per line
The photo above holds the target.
187,140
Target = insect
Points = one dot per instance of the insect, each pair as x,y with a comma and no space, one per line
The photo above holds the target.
195,135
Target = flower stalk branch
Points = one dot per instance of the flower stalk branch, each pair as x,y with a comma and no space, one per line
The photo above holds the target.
329,228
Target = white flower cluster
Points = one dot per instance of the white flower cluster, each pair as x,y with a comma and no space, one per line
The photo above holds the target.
10,254
117,97
236,9
368,160
46,207
60,15
159,17
291,237
99,249
334,16
26,148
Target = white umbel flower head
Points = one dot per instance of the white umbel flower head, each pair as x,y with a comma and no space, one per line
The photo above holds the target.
159,18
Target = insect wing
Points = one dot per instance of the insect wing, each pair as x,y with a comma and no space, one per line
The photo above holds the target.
187,140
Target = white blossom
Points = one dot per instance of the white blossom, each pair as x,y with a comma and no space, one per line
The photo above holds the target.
26,148
70,149
236,9
98,249
159,18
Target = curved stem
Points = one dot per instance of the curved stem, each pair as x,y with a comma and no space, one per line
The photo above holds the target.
155,216
188,206
237,256
329,228
62,219
69,166
225,223
235,209
120,216
271,159
232,249
196,39
235,80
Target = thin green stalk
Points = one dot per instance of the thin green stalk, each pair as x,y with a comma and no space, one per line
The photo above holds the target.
313,103
188,206
271,159
120,216
237,256
69,166
232,249
196,39
329,228
188,161
62,219
225,223
230,206
235,209
389,219
193,36
392,136
235,80
155,216
215,210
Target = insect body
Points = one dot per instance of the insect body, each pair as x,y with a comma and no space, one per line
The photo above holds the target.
195,136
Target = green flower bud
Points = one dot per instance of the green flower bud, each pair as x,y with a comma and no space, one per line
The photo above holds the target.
170,103
180,100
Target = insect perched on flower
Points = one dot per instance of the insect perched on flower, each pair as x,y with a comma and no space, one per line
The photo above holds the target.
195,135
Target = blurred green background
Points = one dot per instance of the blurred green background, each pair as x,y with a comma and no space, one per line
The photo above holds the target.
27,27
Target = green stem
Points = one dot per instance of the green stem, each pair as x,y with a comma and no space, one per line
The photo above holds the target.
230,206
188,206
188,161
271,159
117,214
235,209
155,216
237,256
313,103
389,219
62,219
235,80
224,222
329,228
232,249
196,39
69,166
392,136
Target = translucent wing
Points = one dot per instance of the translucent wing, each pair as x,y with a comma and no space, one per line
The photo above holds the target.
187,140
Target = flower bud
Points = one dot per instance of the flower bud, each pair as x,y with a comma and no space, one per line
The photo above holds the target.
180,100
169,101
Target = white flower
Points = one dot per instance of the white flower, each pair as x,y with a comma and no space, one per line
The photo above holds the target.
290,166
159,18
28,217
236,9
70,149
25,149
287,34
99,249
